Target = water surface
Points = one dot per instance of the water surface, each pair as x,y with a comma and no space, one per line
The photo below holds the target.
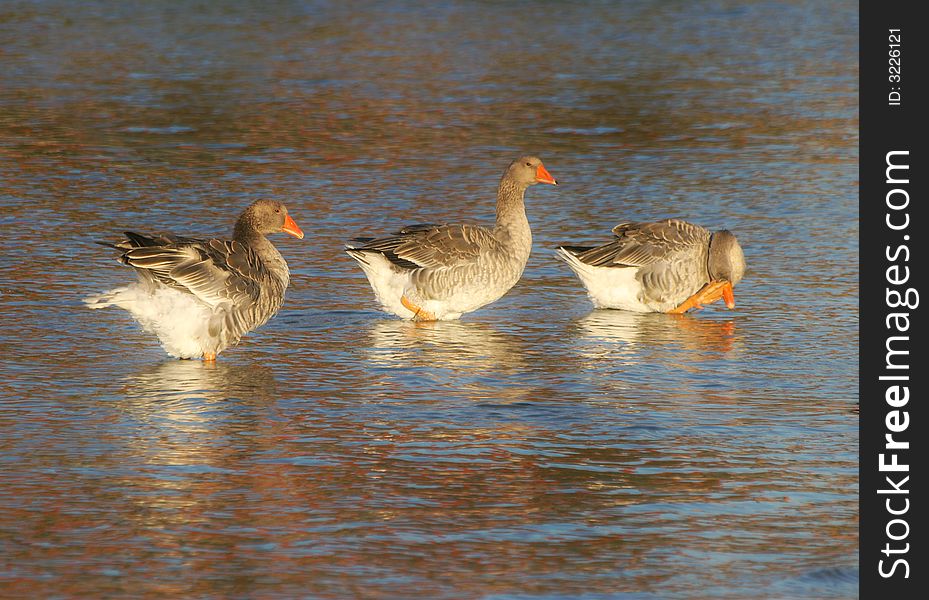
537,448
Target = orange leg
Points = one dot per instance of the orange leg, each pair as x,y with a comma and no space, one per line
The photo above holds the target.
708,294
418,313
209,357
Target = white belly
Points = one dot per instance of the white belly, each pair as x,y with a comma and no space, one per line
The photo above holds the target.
615,287
179,320
609,287
390,284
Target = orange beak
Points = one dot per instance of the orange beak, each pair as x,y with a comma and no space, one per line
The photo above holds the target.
543,176
291,227
729,295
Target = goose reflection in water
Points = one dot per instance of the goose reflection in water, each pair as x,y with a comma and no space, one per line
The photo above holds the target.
195,413
184,396
634,338
192,423
457,345
642,357
184,380
461,356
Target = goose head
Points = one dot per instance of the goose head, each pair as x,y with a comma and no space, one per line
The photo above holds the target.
528,170
726,262
267,216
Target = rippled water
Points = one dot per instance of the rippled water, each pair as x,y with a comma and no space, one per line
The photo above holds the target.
534,449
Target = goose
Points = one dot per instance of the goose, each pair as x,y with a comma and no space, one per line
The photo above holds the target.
435,272
668,266
200,296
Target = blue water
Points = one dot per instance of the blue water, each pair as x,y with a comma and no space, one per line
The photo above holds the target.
537,448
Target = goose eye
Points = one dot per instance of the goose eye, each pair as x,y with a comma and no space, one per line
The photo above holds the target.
528,164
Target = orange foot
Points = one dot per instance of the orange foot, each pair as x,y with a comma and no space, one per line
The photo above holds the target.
708,294
209,357
418,313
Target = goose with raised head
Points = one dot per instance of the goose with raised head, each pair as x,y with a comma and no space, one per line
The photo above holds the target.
667,266
440,272
200,296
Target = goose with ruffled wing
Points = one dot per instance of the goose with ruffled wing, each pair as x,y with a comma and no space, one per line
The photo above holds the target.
200,296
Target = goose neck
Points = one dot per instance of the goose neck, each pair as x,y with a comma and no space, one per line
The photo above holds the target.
511,210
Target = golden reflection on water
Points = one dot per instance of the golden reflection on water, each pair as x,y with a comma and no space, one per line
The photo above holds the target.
194,419
455,344
173,381
461,349
635,332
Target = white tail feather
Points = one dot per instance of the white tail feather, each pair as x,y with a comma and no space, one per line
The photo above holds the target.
180,321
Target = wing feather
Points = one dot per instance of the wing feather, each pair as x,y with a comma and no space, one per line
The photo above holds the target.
432,246
215,271
645,244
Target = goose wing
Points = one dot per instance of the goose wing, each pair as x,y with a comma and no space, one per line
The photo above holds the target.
215,271
646,244
431,246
